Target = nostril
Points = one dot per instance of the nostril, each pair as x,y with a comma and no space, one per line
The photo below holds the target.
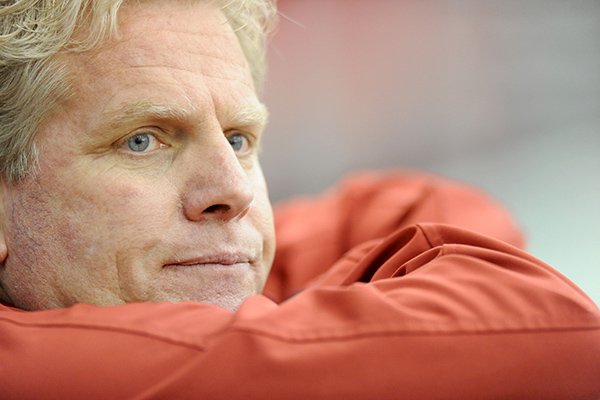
217,209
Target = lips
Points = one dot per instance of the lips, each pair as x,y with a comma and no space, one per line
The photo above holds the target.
225,259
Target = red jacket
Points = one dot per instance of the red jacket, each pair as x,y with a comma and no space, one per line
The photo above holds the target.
378,292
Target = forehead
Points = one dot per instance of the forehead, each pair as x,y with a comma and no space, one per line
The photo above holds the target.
154,29
181,52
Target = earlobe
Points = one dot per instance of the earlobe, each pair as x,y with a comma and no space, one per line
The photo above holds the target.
3,245
3,254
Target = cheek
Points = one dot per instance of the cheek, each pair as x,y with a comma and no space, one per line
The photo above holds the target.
263,216
126,209
91,216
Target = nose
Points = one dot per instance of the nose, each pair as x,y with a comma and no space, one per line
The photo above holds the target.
219,187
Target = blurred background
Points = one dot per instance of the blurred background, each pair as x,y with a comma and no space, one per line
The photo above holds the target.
503,94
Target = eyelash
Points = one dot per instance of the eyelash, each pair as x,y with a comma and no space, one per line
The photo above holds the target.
249,139
123,144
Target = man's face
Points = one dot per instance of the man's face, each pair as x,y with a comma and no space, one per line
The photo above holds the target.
149,186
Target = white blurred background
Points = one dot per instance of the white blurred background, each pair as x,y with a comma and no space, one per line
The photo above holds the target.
504,94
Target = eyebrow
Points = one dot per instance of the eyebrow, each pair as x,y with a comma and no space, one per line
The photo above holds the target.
250,114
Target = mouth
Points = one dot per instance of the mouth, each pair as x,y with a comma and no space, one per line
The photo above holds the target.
214,260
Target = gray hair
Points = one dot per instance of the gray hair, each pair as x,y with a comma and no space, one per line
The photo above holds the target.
32,81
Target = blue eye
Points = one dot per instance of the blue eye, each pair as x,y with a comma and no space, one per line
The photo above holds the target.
139,142
142,143
239,143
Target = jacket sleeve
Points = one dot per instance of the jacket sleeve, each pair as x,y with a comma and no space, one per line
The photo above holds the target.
312,233
429,312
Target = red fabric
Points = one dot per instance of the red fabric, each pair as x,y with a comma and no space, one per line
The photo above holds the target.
429,311
313,233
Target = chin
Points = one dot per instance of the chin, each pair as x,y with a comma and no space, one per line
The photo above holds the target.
224,287
221,297
229,303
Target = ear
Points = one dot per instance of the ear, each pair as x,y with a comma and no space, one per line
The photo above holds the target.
3,245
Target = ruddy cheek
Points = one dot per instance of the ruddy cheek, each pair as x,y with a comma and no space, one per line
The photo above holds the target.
124,193
138,210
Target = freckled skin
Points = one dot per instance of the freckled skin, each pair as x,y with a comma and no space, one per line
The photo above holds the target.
100,225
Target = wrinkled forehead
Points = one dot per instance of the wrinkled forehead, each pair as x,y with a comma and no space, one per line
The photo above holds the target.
182,54
195,16
148,31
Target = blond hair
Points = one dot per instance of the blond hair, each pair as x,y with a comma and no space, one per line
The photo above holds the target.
32,81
